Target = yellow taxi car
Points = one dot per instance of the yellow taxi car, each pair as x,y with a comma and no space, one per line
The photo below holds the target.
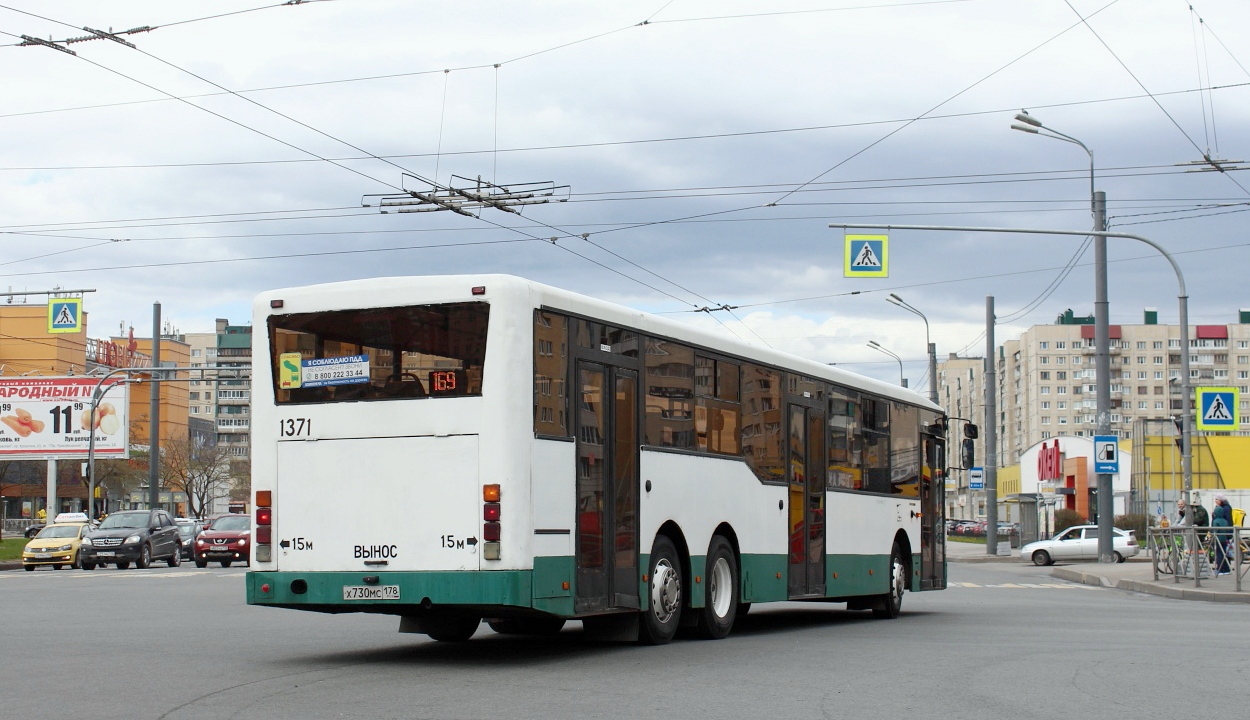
56,545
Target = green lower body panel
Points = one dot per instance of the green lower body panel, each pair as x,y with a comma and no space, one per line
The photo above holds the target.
848,575
763,578
550,586
553,585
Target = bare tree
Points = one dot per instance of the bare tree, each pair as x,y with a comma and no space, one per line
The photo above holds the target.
200,470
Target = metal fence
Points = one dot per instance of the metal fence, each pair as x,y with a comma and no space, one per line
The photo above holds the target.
1198,553
14,527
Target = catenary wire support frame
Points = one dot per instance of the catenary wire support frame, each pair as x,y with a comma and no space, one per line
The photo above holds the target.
469,198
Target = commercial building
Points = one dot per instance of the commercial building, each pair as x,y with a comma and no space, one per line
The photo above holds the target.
28,348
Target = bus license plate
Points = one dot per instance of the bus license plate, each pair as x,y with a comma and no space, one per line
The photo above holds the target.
366,592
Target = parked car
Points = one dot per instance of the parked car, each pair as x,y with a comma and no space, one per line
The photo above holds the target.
73,517
226,540
132,536
56,545
188,530
1079,542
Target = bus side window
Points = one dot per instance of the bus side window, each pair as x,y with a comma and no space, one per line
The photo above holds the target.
876,438
670,379
761,423
845,469
551,367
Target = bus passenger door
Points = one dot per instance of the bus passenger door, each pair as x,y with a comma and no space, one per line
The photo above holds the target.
607,488
806,475
932,507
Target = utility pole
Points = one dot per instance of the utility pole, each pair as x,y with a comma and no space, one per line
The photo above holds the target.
1102,370
991,433
154,411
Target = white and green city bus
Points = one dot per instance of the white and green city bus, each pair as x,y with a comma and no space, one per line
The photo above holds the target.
458,448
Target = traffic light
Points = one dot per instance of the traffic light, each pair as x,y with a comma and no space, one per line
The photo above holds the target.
1180,433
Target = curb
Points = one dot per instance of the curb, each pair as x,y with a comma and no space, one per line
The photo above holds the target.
10,564
981,558
1175,592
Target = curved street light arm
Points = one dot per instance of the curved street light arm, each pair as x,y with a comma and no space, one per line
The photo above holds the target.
1182,301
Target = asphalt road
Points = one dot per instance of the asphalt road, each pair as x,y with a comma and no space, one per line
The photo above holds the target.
1005,641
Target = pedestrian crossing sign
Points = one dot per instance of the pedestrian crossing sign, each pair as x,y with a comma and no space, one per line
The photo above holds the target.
1217,408
65,315
866,256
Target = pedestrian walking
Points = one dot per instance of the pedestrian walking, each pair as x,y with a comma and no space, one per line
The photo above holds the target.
1222,517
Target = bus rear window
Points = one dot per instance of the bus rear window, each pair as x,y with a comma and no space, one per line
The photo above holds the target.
379,353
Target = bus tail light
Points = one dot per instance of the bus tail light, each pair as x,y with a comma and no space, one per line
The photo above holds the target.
490,522
264,526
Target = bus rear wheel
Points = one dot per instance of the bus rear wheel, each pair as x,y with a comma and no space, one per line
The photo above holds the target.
890,604
452,629
720,591
663,613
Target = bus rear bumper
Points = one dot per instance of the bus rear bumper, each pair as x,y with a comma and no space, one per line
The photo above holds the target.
393,593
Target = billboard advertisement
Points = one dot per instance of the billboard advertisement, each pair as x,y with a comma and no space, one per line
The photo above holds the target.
45,418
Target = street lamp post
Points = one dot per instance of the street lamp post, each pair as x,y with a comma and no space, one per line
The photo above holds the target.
901,380
1182,304
1102,335
933,392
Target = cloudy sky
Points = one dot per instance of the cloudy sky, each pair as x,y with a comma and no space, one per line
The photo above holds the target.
703,147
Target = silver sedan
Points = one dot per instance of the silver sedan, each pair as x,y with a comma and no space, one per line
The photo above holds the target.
1079,542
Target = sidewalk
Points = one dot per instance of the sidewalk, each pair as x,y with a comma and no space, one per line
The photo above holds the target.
1136,575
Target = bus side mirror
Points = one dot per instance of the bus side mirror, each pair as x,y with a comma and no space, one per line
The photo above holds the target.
967,453
971,431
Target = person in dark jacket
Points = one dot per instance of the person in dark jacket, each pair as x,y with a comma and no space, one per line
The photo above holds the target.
1221,517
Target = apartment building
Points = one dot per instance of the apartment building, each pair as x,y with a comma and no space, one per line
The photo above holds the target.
1046,389
961,384
1047,377
224,400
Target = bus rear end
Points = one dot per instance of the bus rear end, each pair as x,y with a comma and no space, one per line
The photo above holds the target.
372,490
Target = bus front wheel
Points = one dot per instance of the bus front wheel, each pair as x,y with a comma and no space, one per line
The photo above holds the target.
663,612
720,591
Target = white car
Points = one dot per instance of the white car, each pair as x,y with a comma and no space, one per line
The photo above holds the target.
1079,542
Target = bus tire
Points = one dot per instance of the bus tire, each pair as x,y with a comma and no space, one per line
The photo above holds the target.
663,611
526,626
720,591
890,604
452,629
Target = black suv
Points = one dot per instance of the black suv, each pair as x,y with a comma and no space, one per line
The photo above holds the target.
132,536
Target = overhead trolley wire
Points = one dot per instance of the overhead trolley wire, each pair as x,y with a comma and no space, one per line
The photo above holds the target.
344,142
912,121
1205,155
